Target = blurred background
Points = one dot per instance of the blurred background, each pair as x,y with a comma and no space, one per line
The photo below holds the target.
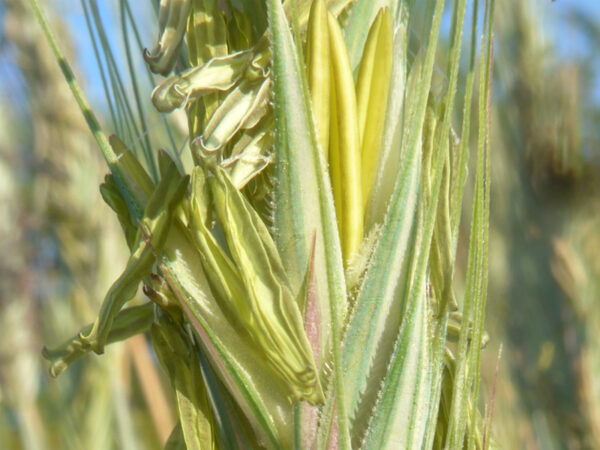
60,247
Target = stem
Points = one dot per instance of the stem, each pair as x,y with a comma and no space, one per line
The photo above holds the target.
84,106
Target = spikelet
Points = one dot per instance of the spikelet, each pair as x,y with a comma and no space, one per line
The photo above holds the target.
253,284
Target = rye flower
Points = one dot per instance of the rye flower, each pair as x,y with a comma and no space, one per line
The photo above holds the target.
301,273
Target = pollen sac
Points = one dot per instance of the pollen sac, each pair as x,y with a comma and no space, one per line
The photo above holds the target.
242,109
251,154
218,74
173,16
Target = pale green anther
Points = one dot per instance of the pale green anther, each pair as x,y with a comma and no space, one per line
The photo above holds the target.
242,109
172,19
250,154
217,75
154,228
265,128
276,323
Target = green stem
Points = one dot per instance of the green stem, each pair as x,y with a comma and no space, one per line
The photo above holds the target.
84,106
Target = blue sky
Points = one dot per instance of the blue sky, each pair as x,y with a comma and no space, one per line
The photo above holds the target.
83,45
568,39
570,42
